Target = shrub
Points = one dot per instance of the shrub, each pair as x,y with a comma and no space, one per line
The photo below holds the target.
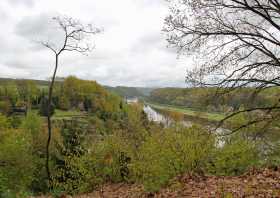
15,121
72,175
32,123
234,158
40,180
165,155
5,107
111,158
43,111
4,123
272,156
71,171
16,161
64,103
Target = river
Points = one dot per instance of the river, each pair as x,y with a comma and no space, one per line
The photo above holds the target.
155,116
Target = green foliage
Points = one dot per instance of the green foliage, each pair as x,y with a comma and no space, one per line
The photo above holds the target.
70,170
272,156
235,157
4,123
21,152
165,155
43,111
115,142
73,175
28,91
99,125
16,161
15,121
64,103
11,92
5,107
110,158
136,125
32,123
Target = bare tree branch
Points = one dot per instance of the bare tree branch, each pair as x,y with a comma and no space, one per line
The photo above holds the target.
236,44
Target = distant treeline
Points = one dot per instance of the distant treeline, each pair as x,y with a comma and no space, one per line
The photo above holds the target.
122,91
72,93
131,91
208,99
12,80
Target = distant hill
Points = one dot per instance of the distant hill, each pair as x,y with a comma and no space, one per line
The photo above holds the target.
120,90
8,80
131,91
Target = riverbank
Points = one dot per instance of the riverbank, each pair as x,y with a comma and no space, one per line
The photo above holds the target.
204,116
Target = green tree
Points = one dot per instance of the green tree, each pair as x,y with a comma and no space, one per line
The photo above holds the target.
64,102
16,161
32,123
70,174
11,92
28,91
44,110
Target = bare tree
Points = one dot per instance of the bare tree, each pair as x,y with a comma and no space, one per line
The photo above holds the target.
236,44
75,39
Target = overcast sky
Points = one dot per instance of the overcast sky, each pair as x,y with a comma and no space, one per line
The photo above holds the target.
131,51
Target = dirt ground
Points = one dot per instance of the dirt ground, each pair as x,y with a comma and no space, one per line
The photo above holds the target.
255,183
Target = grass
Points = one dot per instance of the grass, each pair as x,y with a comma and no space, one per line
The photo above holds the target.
60,114
190,112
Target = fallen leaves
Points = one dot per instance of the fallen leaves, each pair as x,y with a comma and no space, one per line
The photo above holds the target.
255,183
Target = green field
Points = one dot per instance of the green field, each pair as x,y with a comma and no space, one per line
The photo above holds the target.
60,114
189,112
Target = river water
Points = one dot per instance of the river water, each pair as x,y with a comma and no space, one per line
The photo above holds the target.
155,116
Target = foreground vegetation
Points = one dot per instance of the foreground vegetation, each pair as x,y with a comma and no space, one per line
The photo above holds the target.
98,139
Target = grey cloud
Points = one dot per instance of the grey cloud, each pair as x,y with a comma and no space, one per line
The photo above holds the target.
153,41
128,53
37,28
32,25
16,64
3,14
28,3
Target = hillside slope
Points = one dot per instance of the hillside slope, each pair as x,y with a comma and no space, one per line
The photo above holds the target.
262,183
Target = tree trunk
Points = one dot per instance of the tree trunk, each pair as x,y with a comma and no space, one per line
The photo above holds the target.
49,120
